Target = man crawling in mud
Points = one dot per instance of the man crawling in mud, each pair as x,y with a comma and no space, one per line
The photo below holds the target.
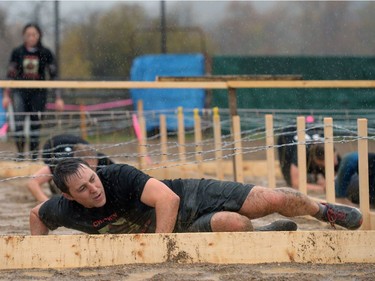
122,199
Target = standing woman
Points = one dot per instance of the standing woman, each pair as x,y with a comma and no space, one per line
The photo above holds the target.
30,61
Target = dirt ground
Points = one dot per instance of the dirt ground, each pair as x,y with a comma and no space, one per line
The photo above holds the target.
203,272
16,202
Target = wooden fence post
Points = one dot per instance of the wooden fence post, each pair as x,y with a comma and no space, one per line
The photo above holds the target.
270,151
301,152
163,145
181,139
329,160
364,200
82,110
238,160
143,136
218,144
198,143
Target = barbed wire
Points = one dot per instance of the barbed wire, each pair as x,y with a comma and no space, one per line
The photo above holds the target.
176,161
111,122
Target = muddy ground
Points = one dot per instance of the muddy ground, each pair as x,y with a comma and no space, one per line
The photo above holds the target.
204,272
16,202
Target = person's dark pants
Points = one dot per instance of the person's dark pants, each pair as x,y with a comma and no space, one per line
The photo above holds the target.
32,101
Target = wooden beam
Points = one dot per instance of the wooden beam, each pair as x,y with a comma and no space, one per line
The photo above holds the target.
232,102
198,143
372,220
111,85
364,200
164,144
253,168
211,78
301,154
181,138
218,143
188,85
270,150
303,84
73,251
238,159
329,160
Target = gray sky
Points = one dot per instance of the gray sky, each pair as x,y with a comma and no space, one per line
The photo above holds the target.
68,9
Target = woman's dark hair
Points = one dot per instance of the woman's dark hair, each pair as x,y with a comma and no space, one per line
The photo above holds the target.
316,153
37,27
64,170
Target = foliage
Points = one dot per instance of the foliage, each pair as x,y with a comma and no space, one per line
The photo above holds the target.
106,43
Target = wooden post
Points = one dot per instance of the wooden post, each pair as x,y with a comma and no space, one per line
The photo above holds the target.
232,102
329,160
218,144
270,151
232,99
364,200
181,138
163,145
198,143
83,126
301,152
143,136
238,161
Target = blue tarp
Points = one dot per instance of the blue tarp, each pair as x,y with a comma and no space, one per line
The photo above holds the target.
148,67
2,110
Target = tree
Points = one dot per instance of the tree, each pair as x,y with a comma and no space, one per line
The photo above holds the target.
73,63
104,45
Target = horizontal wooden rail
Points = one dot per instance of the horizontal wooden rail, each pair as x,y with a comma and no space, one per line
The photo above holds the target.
188,85
112,85
303,84
71,251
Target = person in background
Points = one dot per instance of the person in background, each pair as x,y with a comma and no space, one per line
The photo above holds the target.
288,158
347,179
61,147
30,61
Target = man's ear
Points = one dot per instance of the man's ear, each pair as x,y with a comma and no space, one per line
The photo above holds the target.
67,196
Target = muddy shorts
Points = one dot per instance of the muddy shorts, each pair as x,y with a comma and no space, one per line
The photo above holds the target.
203,198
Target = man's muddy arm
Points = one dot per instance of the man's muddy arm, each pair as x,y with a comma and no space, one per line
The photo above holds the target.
37,227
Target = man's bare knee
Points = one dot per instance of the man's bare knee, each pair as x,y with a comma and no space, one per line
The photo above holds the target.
230,222
262,201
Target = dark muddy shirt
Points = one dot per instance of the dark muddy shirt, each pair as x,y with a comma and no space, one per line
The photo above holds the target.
123,211
31,64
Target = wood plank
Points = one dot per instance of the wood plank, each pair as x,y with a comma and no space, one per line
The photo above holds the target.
372,220
329,160
198,143
111,84
181,138
238,159
270,150
218,144
163,144
10,169
252,168
229,78
188,85
301,154
72,251
364,203
303,84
